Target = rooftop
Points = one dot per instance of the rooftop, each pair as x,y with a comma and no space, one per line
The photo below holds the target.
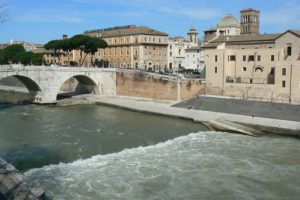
125,31
249,9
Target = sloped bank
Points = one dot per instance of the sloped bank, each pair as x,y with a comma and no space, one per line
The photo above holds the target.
269,125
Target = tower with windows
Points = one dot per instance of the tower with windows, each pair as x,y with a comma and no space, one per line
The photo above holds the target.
249,21
193,35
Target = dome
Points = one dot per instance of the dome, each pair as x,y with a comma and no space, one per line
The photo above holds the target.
229,21
192,30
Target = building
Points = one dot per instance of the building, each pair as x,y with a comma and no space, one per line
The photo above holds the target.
178,48
227,26
27,45
133,46
255,66
194,59
176,54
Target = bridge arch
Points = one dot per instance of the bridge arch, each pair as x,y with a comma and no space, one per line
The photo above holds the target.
28,82
76,85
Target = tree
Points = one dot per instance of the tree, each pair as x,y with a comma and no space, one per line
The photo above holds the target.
78,42
83,43
9,52
67,47
23,57
92,46
17,54
1,57
56,46
37,59
86,44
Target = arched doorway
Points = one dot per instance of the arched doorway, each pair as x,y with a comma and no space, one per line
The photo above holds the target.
150,66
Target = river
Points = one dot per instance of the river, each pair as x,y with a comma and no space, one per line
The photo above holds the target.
98,152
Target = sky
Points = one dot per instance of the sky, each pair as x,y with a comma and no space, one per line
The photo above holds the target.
39,21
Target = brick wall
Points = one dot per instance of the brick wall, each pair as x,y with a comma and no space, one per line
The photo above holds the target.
146,85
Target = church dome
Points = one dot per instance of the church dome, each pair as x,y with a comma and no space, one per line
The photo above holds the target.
228,21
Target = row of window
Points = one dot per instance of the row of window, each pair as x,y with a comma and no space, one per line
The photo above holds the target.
250,58
121,51
283,70
126,40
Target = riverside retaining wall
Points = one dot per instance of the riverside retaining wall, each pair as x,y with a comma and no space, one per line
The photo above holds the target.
155,86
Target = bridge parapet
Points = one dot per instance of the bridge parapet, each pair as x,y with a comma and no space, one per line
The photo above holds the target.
53,68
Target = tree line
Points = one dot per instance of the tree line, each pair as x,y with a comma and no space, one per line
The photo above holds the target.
84,43
16,54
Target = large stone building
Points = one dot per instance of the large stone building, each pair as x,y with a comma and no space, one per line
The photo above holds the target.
255,66
132,46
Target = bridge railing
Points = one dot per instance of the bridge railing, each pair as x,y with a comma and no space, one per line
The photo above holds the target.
18,67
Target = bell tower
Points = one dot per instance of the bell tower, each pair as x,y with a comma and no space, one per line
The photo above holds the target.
193,35
249,21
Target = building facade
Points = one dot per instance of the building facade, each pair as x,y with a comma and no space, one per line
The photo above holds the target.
264,67
178,51
133,47
194,59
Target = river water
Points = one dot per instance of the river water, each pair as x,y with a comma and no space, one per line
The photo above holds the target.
97,152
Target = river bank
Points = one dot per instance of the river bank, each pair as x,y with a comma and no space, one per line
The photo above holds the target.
281,127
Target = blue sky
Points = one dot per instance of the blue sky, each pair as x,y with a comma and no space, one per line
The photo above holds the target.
39,21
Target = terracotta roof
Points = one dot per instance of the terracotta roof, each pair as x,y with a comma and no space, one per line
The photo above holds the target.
212,45
125,31
220,39
241,39
248,39
253,38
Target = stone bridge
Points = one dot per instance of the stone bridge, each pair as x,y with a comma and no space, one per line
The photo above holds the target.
44,82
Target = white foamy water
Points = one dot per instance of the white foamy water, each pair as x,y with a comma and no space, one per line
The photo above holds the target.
204,165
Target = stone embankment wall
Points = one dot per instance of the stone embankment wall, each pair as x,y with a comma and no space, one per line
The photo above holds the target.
154,86
14,96
14,185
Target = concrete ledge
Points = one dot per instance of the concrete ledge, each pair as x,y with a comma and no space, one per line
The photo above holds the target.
14,185
225,125
275,126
